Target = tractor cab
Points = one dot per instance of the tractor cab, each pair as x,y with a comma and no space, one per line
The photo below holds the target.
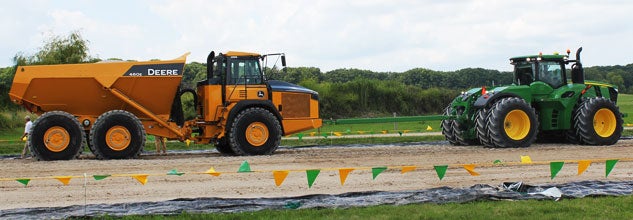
549,69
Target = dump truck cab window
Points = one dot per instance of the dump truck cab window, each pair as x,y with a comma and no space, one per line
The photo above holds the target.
550,72
245,72
523,73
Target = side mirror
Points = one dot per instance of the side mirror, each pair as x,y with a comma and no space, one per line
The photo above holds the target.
283,60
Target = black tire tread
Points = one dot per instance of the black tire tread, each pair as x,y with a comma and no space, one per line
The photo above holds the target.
497,117
94,147
41,155
234,133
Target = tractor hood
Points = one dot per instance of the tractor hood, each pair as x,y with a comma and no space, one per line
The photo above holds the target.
281,86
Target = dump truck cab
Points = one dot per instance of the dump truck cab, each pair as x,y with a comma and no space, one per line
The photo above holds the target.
543,101
236,91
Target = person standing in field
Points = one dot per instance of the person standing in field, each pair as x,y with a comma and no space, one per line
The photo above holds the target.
27,129
160,144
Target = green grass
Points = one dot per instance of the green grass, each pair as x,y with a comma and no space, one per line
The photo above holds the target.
625,102
585,208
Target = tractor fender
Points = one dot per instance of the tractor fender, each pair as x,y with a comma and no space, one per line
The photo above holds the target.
488,99
266,104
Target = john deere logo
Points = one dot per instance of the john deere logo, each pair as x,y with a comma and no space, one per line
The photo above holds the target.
260,94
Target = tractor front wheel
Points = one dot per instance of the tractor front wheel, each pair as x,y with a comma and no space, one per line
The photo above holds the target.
254,131
447,128
56,135
598,122
512,123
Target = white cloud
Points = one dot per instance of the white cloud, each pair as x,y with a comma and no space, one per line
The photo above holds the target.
379,35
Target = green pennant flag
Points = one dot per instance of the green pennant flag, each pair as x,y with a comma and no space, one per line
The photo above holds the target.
24,181
174,172
100,177
312,175
497,162
555,167
377,170
400,133
441,170
300,135
609,167
245,167
324,135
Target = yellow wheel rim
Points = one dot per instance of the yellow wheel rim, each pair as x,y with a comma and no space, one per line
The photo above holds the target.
604,122
257,134
517,124
118,138
56,139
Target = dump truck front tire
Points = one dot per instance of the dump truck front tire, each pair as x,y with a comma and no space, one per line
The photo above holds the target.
254,131
512,123
222,145
117,134
56,135
598,122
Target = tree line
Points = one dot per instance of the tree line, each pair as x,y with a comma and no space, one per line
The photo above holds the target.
343,93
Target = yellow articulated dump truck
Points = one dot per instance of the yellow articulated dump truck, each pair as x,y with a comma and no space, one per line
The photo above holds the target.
111,106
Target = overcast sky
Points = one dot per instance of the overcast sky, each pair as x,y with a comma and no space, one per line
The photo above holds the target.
366,34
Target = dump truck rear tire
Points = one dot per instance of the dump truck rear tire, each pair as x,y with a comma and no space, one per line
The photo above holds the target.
56,135
254,131
117,134
447,128
598,122
512,123
222,145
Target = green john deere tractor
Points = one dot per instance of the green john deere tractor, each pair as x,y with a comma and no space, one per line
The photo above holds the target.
545,101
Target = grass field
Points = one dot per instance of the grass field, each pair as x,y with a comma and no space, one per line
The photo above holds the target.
585,208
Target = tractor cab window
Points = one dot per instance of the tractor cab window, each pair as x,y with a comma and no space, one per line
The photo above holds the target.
524,73
551,73
245,72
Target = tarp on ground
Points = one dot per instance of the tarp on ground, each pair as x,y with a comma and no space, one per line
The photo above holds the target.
505,191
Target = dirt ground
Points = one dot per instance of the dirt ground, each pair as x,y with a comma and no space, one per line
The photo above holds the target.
47,192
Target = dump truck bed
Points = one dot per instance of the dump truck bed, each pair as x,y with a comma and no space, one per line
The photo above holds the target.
87,89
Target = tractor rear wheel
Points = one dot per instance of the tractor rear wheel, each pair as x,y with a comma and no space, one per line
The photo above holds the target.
447,128
56,135
512,123
223,147
598,122
481,125
117,134
254,131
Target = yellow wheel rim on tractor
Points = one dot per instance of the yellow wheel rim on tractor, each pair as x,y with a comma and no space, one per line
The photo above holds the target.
118,138
56,139
517,124
257,134
604,122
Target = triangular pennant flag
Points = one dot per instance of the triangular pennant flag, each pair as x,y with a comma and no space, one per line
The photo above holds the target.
526,159
64,179
441,170
406,169
583,165
429,128
174,172
100,177
300,135
471,169
343,174
141,178
555,167
338,134
188,142
245,167
212,172
24,181
280,176
609,166
375,171
312,175
497,162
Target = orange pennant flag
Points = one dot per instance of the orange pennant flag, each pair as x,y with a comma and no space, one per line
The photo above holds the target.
64,179
407,169
471,169
583,165
343,174
212,172
280,176
141,178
